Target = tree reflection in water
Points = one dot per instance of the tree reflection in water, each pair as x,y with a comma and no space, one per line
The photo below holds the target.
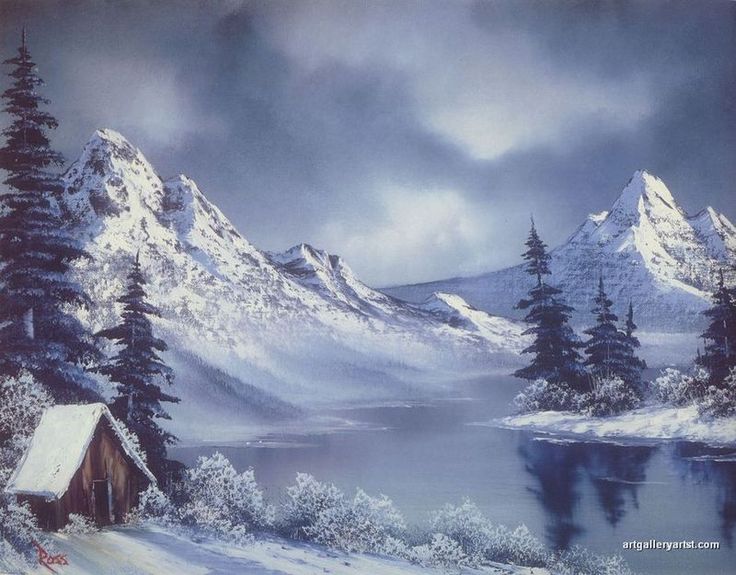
558,467
716,467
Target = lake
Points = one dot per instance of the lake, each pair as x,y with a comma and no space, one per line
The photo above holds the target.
593,494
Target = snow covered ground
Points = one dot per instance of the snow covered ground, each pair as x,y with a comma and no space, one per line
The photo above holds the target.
651,423
153,550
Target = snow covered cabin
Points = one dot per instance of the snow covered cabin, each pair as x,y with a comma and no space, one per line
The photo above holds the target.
79,461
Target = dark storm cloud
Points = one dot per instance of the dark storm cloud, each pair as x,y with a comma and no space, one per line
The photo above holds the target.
414,138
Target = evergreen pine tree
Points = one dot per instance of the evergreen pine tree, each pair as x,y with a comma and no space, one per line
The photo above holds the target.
38,331
555,345
139,371
719,353
633,365
610,351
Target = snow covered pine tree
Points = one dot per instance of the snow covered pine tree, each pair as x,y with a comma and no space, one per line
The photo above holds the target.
137,369
633,365
719,354
610,351
38,332
556,359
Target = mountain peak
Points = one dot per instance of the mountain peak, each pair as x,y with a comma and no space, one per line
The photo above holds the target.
304,255
644,197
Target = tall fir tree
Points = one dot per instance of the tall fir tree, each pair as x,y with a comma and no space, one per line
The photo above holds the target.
555,345
633,365
139,373
719,353
610,352
39,331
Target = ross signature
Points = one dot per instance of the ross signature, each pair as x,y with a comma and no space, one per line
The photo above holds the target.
47,560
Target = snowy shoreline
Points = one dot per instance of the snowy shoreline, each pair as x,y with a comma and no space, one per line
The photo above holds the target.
658,423
152,550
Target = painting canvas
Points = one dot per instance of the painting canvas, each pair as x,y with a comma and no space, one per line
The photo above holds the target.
395,287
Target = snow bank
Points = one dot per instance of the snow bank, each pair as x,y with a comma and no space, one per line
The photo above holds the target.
660,423
155,551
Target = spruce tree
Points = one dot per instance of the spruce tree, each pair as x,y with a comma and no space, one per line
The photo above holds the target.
138,371
633,365
610,351
555,345
38,331
719,354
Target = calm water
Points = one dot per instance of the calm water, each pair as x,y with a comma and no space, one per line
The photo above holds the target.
593,494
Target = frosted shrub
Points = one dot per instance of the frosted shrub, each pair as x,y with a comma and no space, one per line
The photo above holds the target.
579,561
441,551
22,403
466,525
305,501
541,395
79,525
673,387
154,505
610,396
221,501
482,541
720,401
18,525
518,547
364,524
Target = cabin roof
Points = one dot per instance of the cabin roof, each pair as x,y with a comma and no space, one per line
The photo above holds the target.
58,447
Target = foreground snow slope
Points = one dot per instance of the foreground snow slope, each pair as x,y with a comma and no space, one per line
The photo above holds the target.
289,328
154,551
646,247
659,423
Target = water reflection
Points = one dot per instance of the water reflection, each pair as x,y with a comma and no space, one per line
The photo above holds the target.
716,467
616,473
556,469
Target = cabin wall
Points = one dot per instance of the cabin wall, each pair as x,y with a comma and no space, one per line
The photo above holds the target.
105,459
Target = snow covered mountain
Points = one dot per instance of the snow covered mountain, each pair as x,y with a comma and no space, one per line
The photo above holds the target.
646,247
248,328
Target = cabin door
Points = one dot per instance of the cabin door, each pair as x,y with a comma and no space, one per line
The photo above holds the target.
103,501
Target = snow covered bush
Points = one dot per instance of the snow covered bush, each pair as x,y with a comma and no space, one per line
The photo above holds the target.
482,541
541,395
153,505
720,401
442,552
79,525
609,396
221,501
22,402
580,561
18,525
363,524
304,502
675,388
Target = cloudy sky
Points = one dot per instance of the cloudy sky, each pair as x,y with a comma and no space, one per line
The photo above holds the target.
414,138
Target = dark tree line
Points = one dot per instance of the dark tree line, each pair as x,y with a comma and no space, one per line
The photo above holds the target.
610,350
39,332
719,352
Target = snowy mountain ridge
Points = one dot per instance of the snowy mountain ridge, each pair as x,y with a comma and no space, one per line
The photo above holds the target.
299,326
648,250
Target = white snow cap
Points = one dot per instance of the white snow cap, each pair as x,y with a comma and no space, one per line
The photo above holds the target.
58,447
